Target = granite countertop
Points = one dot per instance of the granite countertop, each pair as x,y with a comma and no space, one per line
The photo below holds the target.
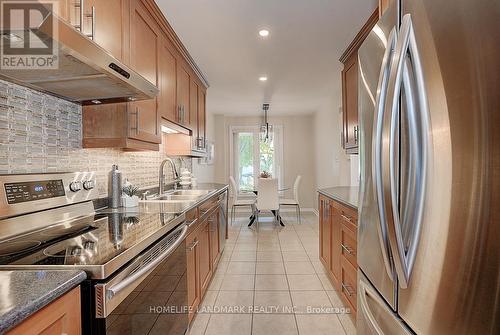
22,293
347,195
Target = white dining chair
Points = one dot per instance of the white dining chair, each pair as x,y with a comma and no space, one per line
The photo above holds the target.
237,201
267,197
295,200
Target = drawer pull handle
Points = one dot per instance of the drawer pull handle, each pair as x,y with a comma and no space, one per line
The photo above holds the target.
348,249
189,223
348,289
191,247
347,218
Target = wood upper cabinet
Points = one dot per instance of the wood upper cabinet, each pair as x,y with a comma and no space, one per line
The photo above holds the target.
145,41
383,5
183,96
350,129
201,127
110,18
350,103
62,316
167,106
135,32
193,111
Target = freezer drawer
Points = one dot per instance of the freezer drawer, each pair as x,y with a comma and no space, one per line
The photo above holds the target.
374,315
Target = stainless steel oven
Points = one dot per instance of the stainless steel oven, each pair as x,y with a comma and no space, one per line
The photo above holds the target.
148,296
135,261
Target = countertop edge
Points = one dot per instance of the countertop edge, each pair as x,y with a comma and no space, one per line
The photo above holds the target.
337,198
16,316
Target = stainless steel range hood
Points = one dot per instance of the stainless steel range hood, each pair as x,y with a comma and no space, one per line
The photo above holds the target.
86,73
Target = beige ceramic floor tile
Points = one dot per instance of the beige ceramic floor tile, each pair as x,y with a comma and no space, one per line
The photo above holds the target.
268,324
273,302
271,283
234,302
243,256
327,284
241,268
238,282
319,324
299,268
311,302
269,256
304,283
229,324
295,256
199,324
270,268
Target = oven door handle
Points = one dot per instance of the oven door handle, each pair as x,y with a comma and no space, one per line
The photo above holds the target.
117,288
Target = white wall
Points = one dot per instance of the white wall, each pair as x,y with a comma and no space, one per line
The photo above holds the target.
298,151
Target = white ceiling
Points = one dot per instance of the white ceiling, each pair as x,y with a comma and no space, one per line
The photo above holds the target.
300,57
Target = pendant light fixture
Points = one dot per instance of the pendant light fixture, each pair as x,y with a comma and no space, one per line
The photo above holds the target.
266,130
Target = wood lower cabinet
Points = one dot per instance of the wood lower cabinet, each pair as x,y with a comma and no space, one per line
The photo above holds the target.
338,247
62,316
213,221
325,232
203,250
205,261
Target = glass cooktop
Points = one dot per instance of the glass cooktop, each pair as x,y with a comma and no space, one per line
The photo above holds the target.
97,240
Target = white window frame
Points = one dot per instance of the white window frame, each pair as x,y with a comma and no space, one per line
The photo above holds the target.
278,151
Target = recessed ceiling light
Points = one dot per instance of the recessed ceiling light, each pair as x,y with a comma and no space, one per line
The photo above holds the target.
263,78
264,32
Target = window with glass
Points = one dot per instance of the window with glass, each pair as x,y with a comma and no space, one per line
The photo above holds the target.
252,155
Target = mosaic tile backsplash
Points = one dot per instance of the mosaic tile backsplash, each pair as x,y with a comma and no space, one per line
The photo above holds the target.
42,133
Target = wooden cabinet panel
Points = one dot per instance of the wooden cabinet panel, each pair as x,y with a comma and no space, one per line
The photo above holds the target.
62,316
202,136
325,232
348,243
193,111
350,129
144,46
168,82
349,285
183,97
350,102
109,19
205,262
193,271
336,246
214,237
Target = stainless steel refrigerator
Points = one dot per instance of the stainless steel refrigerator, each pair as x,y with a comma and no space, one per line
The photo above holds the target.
429,215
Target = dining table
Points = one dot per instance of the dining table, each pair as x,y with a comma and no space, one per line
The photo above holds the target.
275,213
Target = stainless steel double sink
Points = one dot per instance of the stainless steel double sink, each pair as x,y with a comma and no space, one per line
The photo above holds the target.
180,195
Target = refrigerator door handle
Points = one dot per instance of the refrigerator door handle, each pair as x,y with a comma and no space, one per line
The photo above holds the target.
364,290
377,176
408,72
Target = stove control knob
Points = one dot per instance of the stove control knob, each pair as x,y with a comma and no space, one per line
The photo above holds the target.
88,185
75,186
